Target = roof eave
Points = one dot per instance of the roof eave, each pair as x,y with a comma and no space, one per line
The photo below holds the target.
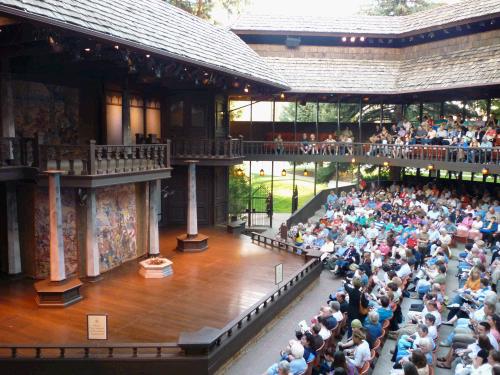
134,45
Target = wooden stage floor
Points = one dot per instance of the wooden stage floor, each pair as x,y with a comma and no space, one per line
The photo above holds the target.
206,289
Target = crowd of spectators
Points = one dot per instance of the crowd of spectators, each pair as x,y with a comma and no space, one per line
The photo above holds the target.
469,138
386,244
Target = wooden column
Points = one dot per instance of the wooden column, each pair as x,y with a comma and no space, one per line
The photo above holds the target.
154,207
6,101
192,241
91,248
57,291
126,140
13,265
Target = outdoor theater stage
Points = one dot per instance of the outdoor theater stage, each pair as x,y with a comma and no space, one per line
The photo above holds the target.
207,289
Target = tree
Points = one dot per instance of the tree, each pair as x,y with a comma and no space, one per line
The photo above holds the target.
399,7
204,8
239,191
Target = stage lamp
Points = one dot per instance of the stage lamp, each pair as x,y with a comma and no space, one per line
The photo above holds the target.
247,88
353,39
239,172
261,172
87,49
306,173
344,39
430,167
386,163
362,39
353,160
485,171
283,172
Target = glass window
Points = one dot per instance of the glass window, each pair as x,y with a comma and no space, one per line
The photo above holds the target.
393,113
476,109
349,112
153,118
239,110
412,113
284,112
176,114
136,118
262,111
453,108
198,115
432,110
327,112
306,112
495,109
219,114
371,113
113,119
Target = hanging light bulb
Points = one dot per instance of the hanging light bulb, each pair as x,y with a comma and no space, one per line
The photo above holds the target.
386,163
261,172
247,88
353,160
306,173
239,172
282,96
430,167
485,171
283,172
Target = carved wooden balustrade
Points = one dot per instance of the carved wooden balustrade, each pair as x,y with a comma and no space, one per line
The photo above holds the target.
16,152
95,159
228,148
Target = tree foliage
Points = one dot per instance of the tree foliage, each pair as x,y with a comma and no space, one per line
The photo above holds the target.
204,8
399,7
239,191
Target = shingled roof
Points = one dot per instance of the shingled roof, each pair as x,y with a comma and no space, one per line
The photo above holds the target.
154,26
459,13
464,68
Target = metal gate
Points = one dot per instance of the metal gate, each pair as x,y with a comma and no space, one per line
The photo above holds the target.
260,210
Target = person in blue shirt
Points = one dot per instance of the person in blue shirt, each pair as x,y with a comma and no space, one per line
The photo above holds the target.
488,230
373,327
331,199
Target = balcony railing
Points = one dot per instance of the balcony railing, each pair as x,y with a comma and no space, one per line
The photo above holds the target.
228,148
95,159
15,152
324,150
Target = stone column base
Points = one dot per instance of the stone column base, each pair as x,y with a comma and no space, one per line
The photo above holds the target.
192,244
58,293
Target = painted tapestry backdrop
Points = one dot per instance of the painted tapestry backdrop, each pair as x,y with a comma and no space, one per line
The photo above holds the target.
116,225
42,232
50,109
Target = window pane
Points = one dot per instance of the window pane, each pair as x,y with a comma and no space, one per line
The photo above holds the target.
262,111
495,109
306,112
198,115
476,109
327,112
432,110
284,112
239,110
349,112
371,113
412,113
393,113
453,108
176,114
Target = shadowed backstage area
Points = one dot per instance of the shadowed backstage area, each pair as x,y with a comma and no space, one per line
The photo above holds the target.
207,289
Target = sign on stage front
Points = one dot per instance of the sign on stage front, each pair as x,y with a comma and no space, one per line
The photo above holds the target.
97,327
278,273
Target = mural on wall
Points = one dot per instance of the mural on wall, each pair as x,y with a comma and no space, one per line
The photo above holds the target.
116,225
42,232
50,109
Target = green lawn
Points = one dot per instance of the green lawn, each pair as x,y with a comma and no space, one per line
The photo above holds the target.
283,189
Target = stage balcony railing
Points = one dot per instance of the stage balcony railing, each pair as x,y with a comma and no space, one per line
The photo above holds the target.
225,148
429,153
93,159
16,152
